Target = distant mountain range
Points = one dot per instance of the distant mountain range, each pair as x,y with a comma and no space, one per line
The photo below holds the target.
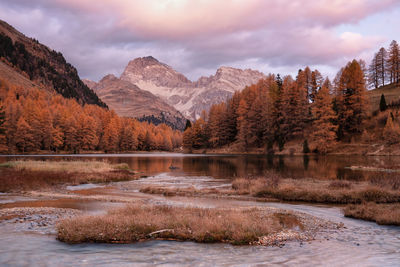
128,100
188,97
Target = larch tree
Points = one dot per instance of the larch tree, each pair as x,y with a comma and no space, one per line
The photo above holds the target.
324,129
70,134
393,62
391,132
274,116
244,130
199,134
3,139
381,63
128,140
216,124
295,107
230,129
256,122
351,100
373,78
57,139
24,138
316,84
187,138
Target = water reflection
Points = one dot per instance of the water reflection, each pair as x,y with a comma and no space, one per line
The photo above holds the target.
231,166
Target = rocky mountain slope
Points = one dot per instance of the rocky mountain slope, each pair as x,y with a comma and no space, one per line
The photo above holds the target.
188,97
41,65
128,100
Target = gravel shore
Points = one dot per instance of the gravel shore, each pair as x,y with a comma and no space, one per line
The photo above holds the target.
42,220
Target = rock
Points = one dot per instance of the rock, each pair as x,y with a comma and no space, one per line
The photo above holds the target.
190,98
128,100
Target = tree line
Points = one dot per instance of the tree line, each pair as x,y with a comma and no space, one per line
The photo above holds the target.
385,66
34,119
276,110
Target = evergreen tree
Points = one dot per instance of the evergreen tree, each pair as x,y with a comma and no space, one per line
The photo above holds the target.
188,125
382,103
306,149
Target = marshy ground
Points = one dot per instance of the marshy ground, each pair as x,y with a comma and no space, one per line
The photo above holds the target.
148,208
95,201
51,193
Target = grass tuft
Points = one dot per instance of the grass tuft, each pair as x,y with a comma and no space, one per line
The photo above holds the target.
33,175
136,223
318,191
385,214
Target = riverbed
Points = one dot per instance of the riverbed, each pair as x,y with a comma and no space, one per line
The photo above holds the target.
358,243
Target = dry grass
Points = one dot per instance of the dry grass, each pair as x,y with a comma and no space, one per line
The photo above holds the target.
387,214
386,180
252,185
339,184
184,191
308,190
26,175
89,166
136,223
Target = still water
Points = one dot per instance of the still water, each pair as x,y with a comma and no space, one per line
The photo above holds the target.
358,244
231,166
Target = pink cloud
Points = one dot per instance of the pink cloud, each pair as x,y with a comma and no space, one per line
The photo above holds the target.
101,36
180,19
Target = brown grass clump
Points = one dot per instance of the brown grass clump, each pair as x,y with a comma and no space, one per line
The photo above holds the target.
307,190
24,175
339,184
89,166
386,180
252,185
385,214
136,223
184,191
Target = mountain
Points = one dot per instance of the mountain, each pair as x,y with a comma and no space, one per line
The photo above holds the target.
128,100
41,65
11,76
188,97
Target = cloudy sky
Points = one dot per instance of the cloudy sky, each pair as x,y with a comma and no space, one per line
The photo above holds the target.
197,36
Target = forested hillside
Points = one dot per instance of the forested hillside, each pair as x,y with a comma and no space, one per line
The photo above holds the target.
309,109
34,119
43,66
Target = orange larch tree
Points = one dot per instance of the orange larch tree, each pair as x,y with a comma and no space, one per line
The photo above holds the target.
324,129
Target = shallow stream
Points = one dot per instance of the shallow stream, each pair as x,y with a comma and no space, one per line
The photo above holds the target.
360,243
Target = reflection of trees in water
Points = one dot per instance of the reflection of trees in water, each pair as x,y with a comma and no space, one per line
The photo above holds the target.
153,165
218,167
306,161
319,167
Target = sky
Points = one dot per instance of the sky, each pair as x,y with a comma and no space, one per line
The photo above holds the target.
196,37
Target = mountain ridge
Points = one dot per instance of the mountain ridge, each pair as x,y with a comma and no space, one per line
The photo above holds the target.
188,97
42,65
128,100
